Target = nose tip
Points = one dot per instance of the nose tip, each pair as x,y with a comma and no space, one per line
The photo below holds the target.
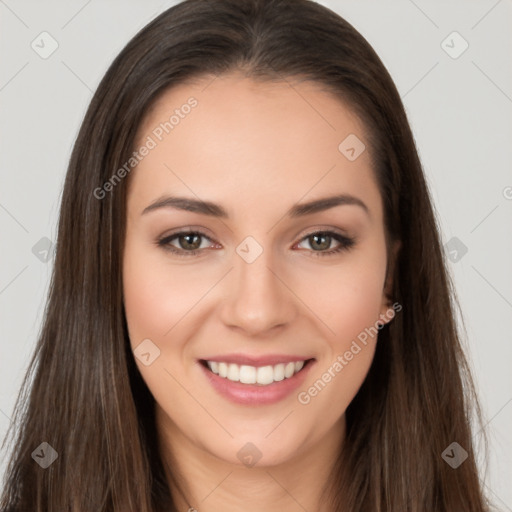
258,301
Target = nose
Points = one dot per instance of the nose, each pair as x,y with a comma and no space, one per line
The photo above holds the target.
259,299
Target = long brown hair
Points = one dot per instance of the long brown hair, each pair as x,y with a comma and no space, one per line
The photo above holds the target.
83,394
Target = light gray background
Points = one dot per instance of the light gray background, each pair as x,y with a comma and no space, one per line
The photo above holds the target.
460,112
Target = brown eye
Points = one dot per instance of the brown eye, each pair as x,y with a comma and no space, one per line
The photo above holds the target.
320,242
185,243
190,241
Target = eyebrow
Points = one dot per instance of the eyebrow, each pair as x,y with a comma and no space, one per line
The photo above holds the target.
215,210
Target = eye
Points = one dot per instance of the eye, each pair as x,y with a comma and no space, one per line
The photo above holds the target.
189,243
321,240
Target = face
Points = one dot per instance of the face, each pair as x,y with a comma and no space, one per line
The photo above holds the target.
252,316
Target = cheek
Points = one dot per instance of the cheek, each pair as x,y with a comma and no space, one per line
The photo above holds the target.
156,298
156,295
358,299
348,299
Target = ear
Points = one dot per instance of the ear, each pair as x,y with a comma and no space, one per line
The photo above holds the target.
387,292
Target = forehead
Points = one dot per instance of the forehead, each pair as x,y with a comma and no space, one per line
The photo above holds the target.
254,140
290,107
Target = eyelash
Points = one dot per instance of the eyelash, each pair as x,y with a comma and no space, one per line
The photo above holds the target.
346,243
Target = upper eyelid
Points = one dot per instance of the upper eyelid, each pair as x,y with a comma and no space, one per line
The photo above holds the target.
199,231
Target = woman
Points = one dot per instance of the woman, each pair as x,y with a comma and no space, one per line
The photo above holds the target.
250,308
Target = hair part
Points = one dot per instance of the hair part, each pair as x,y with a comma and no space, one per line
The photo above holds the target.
83,393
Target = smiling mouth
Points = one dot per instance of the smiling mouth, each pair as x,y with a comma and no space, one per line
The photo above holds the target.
255,375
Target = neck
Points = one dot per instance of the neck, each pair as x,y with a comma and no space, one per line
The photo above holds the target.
207,483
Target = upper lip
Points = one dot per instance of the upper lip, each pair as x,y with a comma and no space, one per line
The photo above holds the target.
252,360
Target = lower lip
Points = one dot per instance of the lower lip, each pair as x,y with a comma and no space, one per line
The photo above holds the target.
252,394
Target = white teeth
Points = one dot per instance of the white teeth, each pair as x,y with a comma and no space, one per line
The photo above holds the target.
214,366
279,372
234,372
289,370
265,375
247,374
262,375
223,370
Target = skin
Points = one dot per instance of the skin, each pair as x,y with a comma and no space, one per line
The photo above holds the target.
256,149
